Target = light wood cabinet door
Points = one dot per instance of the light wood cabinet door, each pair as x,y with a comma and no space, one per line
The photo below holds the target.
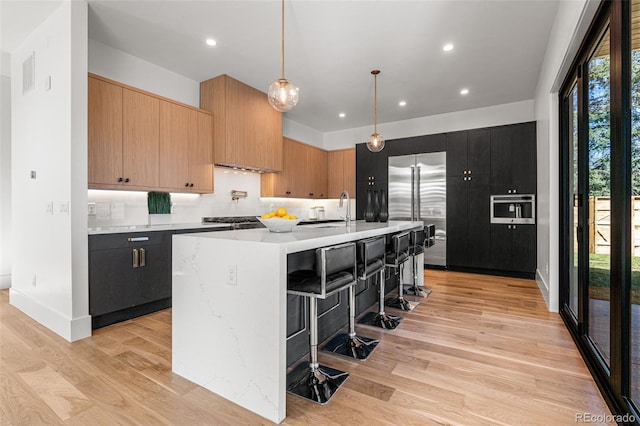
341,169
141,139
178,130
201,155
317,172
247,130
104,133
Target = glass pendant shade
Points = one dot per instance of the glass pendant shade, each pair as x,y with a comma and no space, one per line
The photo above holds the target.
375,143
283,95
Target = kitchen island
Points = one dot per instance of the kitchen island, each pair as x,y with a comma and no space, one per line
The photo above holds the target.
229,307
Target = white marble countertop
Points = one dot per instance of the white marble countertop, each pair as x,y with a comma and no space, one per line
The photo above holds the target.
147,228
311,236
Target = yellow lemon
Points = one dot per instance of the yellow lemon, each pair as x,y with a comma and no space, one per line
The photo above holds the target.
266,216
281,211
293,217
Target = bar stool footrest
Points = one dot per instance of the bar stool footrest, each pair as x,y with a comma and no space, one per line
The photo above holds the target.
386,321
317,385
415,290
400,303
353,347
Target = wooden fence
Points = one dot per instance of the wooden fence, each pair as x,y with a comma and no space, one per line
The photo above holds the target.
600,225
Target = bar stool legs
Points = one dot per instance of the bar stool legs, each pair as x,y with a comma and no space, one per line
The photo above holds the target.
413,289
349,344
381,319
313,381
400,302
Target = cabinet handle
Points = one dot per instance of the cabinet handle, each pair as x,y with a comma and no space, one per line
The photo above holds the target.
464,172
120,179
136,239
469,171
288,192
186,185
464,178
136,258
508,191
126,180
143,257
311,194
514,191
190,185
469,178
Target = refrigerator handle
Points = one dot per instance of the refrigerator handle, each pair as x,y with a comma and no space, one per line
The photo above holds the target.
418,192
413,195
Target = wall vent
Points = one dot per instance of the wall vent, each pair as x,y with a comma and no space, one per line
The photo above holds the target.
29,73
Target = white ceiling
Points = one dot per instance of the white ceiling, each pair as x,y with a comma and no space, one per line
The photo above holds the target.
331,47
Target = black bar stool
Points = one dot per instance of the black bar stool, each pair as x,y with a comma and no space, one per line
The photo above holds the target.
370,255
394,259
417,239
335,270
382,319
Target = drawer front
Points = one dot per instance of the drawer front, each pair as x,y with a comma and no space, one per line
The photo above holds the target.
134,239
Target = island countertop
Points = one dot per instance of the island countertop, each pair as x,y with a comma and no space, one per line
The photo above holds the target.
312,236
229,313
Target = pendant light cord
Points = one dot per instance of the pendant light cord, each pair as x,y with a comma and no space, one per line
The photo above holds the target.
283,39
375,103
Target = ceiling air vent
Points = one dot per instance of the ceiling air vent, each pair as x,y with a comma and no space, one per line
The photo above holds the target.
29,73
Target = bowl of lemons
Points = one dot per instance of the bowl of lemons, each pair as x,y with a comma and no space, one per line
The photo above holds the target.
279,220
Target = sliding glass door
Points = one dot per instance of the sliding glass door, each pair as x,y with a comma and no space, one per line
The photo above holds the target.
600,203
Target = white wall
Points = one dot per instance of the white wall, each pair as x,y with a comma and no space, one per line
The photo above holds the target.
302,133
572,21
49,136
5,173
517,112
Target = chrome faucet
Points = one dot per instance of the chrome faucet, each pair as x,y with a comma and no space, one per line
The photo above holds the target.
347,219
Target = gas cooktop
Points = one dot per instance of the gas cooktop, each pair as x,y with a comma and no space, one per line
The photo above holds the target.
236,222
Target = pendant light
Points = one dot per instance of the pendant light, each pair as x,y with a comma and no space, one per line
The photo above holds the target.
283,94
375,143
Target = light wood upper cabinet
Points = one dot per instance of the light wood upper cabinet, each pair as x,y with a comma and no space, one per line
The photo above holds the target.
186,146
201,156
304,173
247,130
141,141
341,167
105,133
178,130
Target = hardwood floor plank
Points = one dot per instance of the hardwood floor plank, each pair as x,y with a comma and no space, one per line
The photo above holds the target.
480,350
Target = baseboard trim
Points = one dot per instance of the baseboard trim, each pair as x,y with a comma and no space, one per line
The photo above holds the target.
70,329
543,287
5,281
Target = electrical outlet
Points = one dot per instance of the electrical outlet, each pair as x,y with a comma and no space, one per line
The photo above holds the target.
92,209
232,275
64,207
546,268
50,208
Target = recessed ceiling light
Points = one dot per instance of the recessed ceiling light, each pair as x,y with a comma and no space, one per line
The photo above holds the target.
447,47
402,103
342,115
211,42
464,91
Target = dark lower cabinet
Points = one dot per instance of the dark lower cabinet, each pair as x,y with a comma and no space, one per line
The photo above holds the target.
129,275
513,248
468,221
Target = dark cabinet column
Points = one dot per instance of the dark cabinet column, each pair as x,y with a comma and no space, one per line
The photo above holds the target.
456,220
478,152
478,221
501,182
112,280
513,159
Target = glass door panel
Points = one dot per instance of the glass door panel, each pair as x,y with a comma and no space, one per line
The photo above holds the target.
574,199
635,203
599,196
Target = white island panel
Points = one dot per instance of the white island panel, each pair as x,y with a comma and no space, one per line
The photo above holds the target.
231,339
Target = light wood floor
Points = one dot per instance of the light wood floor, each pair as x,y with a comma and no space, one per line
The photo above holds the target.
481,350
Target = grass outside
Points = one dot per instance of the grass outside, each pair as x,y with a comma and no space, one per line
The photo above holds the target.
599,277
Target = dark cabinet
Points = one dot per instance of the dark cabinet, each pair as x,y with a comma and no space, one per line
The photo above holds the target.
469,153
513,248
468,221
513,159
371,173
128,271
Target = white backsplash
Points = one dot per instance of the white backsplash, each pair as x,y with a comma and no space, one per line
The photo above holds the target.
119,208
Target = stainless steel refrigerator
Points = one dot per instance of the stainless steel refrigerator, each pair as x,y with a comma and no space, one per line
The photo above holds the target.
418,191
